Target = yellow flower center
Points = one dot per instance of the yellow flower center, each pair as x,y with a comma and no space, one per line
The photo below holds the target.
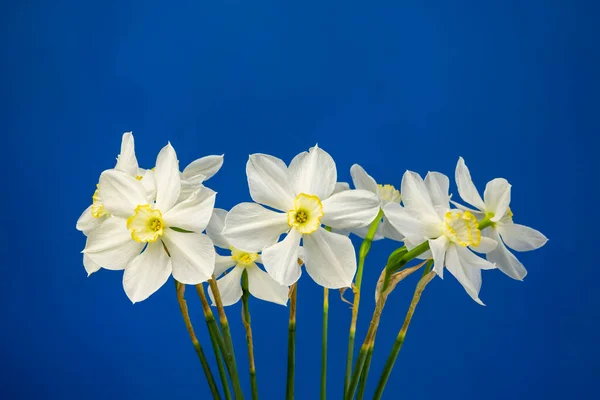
307,213
460,227
97,205
389,193
146,224
242,257
139,177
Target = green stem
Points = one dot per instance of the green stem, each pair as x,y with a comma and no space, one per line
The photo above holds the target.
215,338
365,372
248,327
180,289
227,349
425,279
289,390
399,263
324,344
362,255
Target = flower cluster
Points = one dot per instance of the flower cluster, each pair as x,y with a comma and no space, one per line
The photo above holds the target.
150,223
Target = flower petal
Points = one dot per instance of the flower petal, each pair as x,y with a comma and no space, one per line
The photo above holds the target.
467,190
485,245
111,246
331,260
505,260
521,237
121,193
126,160
168,181
215,227
89,265
314,173
251,227
269,182
340,187
192,256
263,287
222,264
202,169
350,209
193,213
468,276
281,259
230,287
147,272
87,221
438,249
408,225
497,197
416,199
387,230
438,187
148,182
362,180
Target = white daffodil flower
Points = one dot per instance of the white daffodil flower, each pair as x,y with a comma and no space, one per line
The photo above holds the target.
260,284
386,193
96,213
495,205
198,171
426,215
151,240
304,193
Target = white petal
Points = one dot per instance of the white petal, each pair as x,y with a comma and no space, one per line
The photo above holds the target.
192,256
194,213
168,181
350,209
386,229
314,172
362,232
148,182
485,246
222,264
89,265
331,260
471,259
281,259
251,227
230,287
416,199
126,161
362,180
340,187
467,190
269,182
438,250
202,169
87,221
147,272
121,193
497,197
505,261
215,227
521,237
438,186
408,225
111,246
468,276
263,287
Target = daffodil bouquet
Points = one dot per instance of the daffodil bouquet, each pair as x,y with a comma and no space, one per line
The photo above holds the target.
154,223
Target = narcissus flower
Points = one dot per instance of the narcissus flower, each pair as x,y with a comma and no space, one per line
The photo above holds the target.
304,192
151,240
495,206
260,284
96,212
426,215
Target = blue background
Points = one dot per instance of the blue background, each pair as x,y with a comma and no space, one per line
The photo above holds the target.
512,86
